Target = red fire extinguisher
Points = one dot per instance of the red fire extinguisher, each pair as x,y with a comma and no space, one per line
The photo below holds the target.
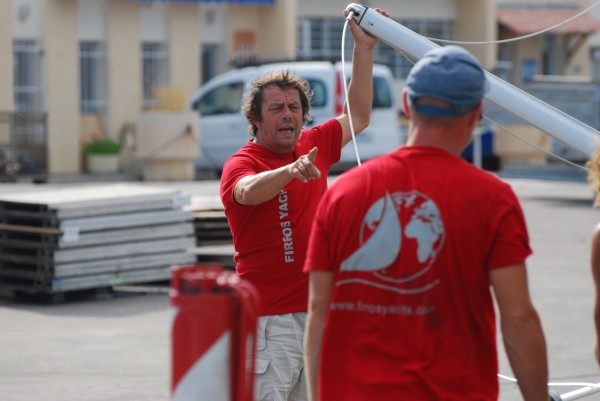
213,334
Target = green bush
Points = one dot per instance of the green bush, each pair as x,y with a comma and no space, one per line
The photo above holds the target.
102,147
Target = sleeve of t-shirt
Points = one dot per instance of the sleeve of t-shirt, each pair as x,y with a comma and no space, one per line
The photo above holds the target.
237,167
511,242
328,138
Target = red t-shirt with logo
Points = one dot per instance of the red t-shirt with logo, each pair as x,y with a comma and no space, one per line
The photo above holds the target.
270,239
411,237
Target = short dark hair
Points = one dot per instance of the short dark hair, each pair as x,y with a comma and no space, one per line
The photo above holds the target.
285,80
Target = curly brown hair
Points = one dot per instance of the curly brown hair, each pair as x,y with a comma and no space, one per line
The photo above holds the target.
285,80
594,175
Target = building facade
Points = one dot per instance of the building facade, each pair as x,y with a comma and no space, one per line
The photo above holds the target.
88,68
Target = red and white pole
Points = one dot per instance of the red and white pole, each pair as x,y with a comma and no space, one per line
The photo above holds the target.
213,335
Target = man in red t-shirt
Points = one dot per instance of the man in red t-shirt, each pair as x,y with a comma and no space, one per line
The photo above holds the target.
402,254
270,189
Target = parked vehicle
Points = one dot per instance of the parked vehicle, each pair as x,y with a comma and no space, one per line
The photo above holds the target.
223,129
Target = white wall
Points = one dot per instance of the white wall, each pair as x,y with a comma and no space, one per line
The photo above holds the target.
124,64
62,83
398,9
28,19
6,61
184,54
154,22
91,20
214,23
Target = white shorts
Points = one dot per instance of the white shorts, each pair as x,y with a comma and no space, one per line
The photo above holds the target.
279,367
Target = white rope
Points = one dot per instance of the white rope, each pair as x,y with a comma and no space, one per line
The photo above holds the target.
556,384
346,88
520,37
510,379
523,38
574,384
533,145
471,43
536,146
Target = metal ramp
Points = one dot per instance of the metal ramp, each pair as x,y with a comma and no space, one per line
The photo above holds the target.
92,236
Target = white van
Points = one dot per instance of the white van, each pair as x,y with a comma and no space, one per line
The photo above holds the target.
223,128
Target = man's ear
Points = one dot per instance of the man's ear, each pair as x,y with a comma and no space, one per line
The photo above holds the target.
255,121
405,103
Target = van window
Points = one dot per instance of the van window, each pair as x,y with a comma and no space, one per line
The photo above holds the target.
382,96
319,97
225,99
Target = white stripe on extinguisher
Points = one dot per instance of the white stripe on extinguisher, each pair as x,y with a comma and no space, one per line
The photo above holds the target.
208,379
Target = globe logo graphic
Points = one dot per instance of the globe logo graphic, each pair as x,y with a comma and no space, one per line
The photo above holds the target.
401,236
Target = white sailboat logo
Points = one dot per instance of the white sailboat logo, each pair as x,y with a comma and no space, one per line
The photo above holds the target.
379,253
383,247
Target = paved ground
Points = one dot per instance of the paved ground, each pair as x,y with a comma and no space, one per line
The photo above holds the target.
560,220
116,347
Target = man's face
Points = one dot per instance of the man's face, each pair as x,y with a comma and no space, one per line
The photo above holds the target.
281,119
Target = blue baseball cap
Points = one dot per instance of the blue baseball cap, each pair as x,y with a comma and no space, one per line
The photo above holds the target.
451,74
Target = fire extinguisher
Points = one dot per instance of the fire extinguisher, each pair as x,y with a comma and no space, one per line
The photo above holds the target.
215,315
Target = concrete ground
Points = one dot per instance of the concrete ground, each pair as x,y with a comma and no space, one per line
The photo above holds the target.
116,346
560,219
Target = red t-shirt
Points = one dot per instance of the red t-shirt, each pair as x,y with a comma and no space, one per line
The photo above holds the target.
411,238
270,239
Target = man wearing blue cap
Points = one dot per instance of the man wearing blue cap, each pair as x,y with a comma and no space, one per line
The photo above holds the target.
402,254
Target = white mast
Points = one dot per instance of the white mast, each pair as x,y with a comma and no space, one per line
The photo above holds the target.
539,114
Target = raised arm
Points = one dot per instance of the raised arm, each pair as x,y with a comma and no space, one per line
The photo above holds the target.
319,290
521,331
360,90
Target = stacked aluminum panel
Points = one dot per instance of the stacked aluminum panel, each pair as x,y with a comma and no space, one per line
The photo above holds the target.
86,237
213,236
209,221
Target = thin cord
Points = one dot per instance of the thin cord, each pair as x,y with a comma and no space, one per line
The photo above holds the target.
574,384
350,14
536,146
520,37
533,145
556,384
472,43
510,379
